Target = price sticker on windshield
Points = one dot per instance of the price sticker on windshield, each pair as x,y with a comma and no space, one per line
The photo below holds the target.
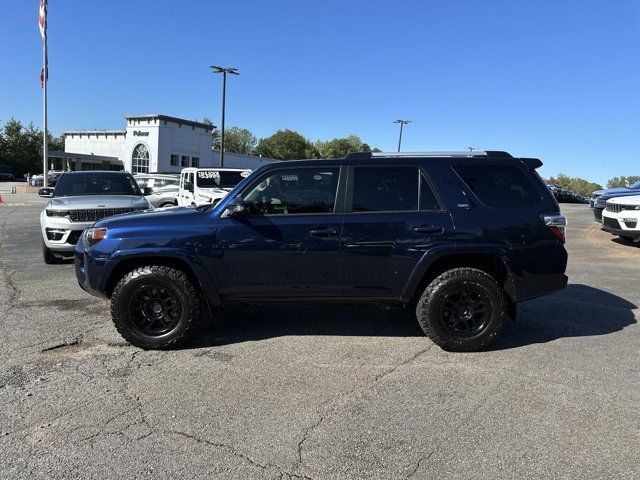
245,174
289,178
208,174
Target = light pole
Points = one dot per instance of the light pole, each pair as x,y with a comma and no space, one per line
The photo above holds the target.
223,71
402,124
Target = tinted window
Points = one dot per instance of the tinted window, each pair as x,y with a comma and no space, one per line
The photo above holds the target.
499,186
428,199
380,189
97,183
300,190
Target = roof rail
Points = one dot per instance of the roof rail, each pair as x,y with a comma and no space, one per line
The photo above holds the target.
474,153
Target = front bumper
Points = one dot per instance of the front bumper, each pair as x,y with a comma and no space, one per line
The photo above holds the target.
597,213
625,223
60,234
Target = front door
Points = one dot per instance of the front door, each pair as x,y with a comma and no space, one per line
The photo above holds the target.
287,243
393,217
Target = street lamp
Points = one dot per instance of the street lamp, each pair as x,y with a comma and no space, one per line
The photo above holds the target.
223,71
402,124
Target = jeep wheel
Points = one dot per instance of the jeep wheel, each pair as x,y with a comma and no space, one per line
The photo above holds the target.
155,307
626,238
48,256
462,310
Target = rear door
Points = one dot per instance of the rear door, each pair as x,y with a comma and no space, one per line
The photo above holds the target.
393,216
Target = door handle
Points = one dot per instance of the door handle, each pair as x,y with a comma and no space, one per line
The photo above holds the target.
429,229
323,232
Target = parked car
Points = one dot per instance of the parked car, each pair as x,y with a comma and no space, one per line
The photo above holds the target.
78,200
162,188
202,186
620,217
601,201
599,197
460,237
6,173
52,179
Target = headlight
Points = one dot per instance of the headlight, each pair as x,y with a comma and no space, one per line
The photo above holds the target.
94,235
58,213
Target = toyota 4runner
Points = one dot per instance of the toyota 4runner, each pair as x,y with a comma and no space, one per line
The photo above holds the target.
460,237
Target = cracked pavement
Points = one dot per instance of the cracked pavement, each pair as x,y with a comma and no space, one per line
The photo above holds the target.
315,392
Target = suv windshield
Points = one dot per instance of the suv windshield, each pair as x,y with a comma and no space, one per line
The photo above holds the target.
218,179
95,183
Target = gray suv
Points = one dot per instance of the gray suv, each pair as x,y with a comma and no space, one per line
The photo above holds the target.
78,200
161,188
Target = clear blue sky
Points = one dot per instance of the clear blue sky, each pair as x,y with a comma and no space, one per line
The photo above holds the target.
555,79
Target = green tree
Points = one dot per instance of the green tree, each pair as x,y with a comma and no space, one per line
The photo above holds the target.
239,140
286,145
339,147
623,181
574,184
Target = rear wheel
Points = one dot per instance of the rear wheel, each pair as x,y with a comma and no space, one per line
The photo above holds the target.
155,307
462,310
167,204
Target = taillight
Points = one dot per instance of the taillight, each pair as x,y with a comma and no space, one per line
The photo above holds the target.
557,223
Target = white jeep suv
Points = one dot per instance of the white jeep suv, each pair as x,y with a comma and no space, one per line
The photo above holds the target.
78,200
621,217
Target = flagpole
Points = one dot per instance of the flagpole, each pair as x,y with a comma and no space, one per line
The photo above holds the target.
44,110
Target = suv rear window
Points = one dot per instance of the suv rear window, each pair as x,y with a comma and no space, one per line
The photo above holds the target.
499,185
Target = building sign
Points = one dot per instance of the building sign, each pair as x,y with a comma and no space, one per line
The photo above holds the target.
139,133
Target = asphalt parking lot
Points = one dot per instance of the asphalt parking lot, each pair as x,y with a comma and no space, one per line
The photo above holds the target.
319,392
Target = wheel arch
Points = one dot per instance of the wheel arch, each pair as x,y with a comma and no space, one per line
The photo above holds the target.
489,261
196,272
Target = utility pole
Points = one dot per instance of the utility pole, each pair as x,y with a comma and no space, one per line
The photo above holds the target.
223,71
402,124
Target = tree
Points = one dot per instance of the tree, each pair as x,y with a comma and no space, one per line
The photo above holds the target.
239,140
574,184
623,181
339,147
286,145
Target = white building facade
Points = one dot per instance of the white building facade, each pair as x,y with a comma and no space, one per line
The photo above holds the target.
157,143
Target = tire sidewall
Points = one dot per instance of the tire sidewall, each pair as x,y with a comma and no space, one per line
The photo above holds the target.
429,309
122,296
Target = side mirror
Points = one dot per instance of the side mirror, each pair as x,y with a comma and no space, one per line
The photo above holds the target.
188,186
236,208
147,191
45,192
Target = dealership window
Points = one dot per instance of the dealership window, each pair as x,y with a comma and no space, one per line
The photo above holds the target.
294,191
175,160
140,159
185,160
195,161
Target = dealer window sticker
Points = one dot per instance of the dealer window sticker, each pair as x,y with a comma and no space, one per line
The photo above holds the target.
208,174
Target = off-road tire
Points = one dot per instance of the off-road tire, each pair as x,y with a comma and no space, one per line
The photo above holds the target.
164,277
428,308
48,256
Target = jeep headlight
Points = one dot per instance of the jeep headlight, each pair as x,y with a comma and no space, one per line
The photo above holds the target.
94,235
58,213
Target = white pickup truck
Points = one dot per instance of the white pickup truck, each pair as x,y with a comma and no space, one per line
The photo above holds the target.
201,186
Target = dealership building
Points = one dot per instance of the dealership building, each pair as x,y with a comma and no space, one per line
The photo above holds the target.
150,143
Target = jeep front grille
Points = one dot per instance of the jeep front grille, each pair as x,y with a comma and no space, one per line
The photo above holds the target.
96,214
618,207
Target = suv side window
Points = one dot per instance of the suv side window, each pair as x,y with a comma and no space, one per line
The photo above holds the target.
428,200
501,186
385,189
294,191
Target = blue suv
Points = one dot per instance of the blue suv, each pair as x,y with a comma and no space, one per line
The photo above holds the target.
460,237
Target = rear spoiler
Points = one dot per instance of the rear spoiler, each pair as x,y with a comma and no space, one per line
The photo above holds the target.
531,163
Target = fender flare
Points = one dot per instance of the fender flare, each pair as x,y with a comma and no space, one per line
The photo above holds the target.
200,271
436,253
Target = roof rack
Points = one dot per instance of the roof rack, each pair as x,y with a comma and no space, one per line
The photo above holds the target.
474,153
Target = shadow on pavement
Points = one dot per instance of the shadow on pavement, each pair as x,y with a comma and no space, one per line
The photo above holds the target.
576,311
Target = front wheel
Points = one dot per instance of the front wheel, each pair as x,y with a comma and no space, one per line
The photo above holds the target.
155,307
48,256
462,310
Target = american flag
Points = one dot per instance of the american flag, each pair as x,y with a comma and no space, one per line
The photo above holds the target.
42,24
